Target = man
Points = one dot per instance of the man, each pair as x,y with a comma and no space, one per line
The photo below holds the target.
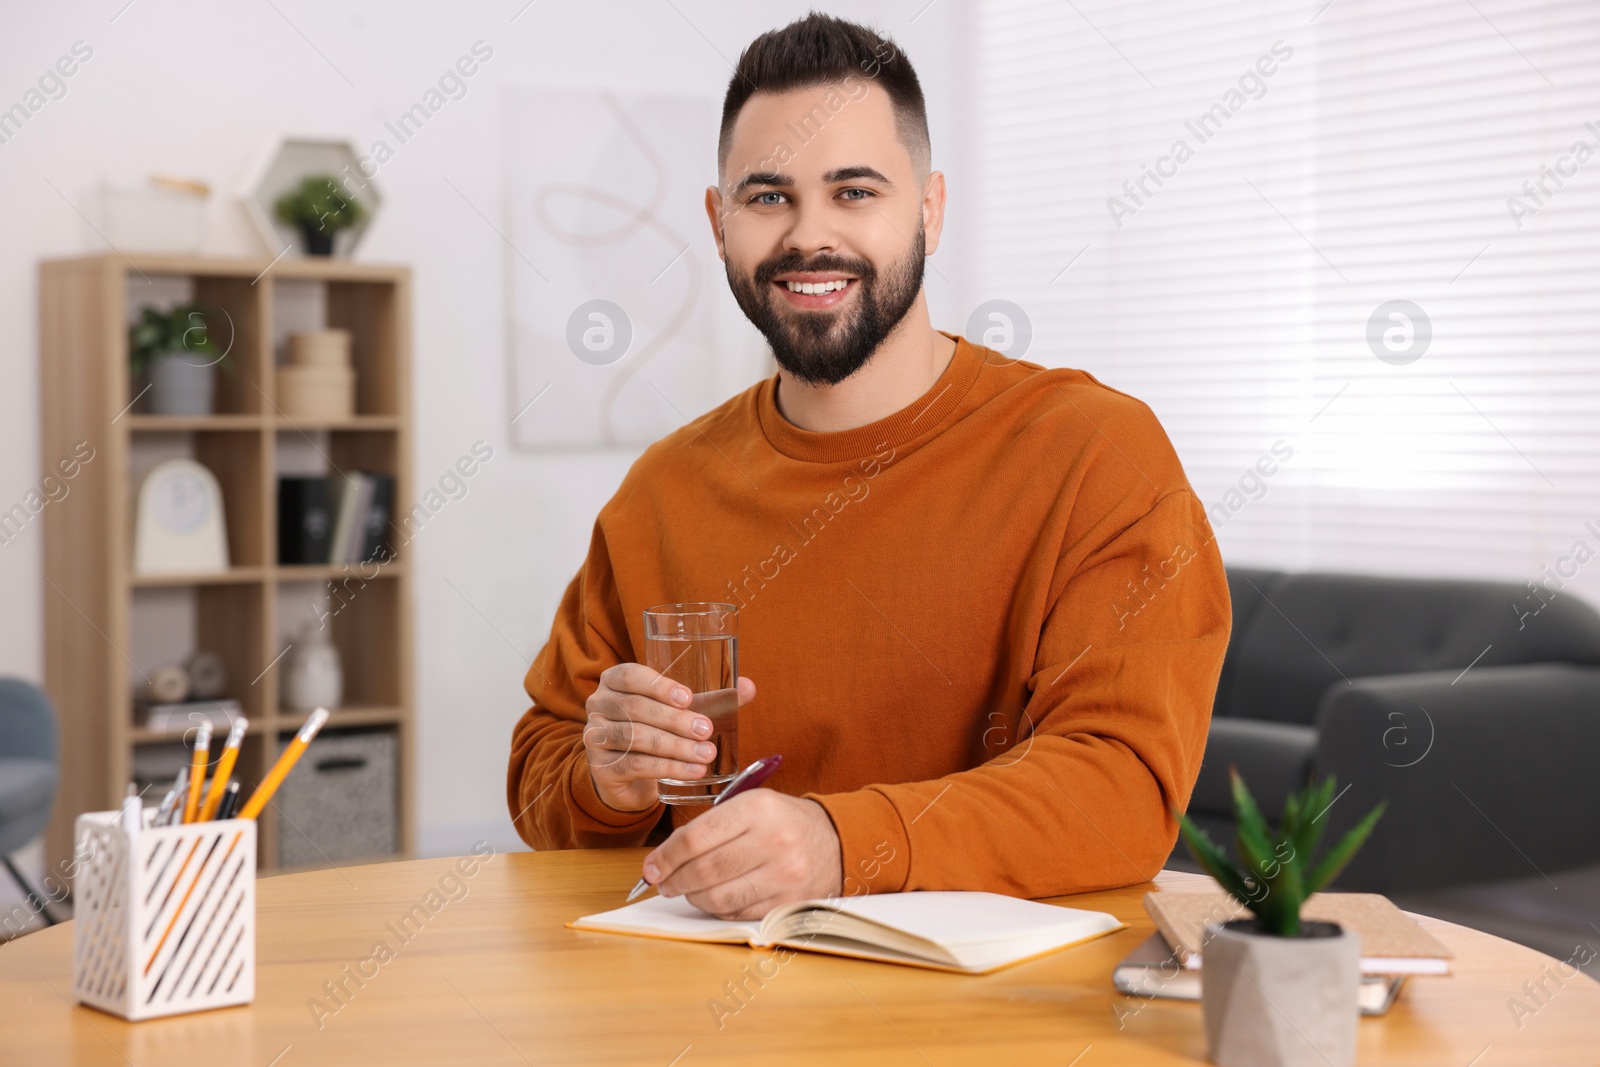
983,604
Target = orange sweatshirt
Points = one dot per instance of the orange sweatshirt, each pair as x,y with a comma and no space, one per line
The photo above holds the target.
985,631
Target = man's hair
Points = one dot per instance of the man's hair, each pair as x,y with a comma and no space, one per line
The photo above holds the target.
823,50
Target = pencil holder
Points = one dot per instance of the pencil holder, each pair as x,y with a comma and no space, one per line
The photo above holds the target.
164,922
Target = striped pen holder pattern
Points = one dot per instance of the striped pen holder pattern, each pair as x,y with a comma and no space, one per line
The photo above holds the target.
165,923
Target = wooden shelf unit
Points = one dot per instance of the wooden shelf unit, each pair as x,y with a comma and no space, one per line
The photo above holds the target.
91,596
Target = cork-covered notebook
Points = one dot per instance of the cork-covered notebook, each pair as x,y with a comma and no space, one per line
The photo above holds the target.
1391,941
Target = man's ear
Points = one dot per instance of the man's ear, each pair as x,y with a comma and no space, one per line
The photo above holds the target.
933,211
714,214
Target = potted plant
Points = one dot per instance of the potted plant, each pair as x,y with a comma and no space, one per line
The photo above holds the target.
175,352
318,208
1277,991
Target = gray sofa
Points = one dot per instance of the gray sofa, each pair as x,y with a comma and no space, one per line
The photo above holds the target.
1477,718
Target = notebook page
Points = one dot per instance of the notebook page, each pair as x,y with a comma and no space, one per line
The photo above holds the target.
966,918
669,917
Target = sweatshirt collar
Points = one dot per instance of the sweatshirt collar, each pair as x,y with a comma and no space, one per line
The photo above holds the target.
923,417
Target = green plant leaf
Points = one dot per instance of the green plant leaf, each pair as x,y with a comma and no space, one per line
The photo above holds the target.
1289,825
1211,857
184,328
1318,799
1299,832
1277,904
1255,837
320,203
1342,853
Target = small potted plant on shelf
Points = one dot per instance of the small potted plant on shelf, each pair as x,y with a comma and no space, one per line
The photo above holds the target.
319,209
1276,990
175,354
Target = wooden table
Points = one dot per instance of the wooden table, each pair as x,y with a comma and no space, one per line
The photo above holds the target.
493,977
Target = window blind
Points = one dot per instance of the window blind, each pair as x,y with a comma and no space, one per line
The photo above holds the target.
1346,251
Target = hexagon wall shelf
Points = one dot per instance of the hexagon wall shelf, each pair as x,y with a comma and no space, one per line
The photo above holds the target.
296,158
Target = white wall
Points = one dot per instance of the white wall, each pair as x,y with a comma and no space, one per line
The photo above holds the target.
207,90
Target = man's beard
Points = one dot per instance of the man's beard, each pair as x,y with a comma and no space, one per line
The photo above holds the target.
826,347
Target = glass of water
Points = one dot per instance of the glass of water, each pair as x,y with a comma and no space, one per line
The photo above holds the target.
697,644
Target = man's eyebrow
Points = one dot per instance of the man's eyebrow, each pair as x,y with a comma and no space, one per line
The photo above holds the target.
784,181
845,174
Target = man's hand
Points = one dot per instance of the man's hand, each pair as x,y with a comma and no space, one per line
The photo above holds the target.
743,858
640,729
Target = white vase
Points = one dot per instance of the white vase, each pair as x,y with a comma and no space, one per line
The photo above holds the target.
312,676
1280,1001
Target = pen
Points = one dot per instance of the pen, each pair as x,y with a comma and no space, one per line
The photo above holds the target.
169,803
285,764
197,771
219,779
749,778
230,802
132,812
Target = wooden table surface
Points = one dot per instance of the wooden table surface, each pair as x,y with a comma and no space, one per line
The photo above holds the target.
493,977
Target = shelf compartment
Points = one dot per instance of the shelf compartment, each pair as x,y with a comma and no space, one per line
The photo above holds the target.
234,458
369,311
170,622
239,382
361,617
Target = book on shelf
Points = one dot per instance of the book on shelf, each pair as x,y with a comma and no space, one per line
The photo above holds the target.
347,489
339,520
965,932
375,526
1392,943
1152,970
305,524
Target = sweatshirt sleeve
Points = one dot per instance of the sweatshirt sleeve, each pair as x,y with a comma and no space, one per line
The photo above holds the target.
548,789
1108,741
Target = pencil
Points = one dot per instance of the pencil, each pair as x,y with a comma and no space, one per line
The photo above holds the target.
197,771
219,779
285,764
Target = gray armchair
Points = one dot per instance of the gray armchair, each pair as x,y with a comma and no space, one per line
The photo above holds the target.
1478,720
28,774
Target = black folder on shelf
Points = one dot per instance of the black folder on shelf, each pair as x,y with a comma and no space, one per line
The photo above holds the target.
305,522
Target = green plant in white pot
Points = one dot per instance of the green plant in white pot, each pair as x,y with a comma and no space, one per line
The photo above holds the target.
175,355
1277,991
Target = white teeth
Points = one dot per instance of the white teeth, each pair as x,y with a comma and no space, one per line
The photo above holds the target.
820,287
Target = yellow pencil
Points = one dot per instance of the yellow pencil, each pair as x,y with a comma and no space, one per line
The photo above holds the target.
197,771
285,764
219,778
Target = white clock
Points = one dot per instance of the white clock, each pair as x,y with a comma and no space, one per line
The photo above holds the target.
179,525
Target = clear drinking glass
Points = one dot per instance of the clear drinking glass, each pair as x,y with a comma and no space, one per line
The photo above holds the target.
697,644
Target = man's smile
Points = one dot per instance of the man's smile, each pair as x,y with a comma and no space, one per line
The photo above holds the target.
816,291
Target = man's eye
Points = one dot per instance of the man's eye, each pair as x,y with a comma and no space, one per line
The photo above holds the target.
758,198
865,193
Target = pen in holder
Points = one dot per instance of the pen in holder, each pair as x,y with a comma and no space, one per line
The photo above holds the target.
165,919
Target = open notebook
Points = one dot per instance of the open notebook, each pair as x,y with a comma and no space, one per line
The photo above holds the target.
972,933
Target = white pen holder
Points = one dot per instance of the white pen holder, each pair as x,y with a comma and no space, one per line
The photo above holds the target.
165,922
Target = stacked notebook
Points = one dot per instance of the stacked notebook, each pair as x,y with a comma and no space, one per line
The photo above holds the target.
342,519
969,933
1393,945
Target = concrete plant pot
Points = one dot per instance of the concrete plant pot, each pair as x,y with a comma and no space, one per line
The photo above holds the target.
180,384
1280,1001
